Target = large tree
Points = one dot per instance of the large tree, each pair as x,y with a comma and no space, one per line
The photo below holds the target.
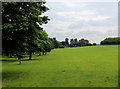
66,42
84,42
71,42
21,26
56,43
75,42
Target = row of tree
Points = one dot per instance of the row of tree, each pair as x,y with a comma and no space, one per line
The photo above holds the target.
72,43
111,41
21,29
76,43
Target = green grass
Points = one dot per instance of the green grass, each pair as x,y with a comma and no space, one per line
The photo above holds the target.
95,66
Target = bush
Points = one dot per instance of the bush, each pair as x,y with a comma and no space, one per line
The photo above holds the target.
62,46
94,44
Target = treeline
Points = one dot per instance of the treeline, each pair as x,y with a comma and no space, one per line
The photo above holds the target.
70,43
22,31
111,41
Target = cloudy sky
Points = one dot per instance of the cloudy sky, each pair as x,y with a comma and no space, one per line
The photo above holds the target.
74,19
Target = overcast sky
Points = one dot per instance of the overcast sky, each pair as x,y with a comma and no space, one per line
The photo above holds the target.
90,20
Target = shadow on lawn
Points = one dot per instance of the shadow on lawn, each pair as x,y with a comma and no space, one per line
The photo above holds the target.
11,75
17,60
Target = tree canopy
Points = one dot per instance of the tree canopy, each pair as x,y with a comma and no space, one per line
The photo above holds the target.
111,41
21,26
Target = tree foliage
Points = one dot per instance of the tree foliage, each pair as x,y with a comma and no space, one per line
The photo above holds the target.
81,42
111,41
21,27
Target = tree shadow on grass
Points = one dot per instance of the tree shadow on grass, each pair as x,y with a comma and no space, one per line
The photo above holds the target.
21,60
8,60
11,75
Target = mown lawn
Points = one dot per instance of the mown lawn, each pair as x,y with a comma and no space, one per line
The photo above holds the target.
95,66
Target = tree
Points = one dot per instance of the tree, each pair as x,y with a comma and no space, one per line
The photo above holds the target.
66,42
48,45
111,41
63,43
21,26
84,42
81,42
56,43
71,42
75,42
94,44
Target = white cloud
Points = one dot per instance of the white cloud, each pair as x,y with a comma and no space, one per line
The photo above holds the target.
101,29
73,4
86,15
92,18
75,13
58,26
93,21
82,0
70,4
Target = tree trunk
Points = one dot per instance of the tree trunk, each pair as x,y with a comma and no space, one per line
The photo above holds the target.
39,54
30,56
10,56
19,59
33,53
43,53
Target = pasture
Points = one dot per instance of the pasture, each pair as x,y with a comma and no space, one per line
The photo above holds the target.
91,66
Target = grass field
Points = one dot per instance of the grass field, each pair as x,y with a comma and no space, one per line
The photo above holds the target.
95,66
